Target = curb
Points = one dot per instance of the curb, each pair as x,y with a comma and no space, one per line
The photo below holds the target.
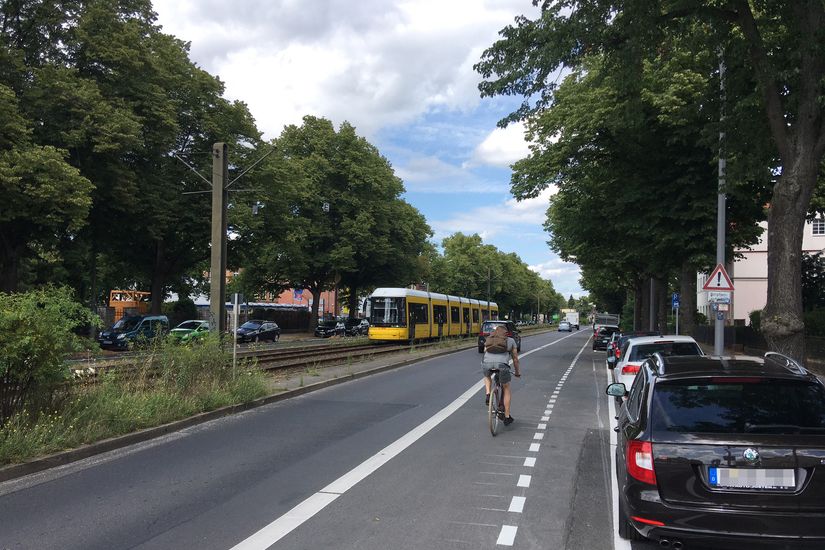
62,458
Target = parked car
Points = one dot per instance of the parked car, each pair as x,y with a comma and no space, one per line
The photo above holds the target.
603,336
565,326
636,350
617,340
356,327
489,326
258,330
722,452
133,331
328,328
190,331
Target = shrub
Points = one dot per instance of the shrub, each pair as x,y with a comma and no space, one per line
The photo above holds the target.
815,322
755,317
180,311
36,337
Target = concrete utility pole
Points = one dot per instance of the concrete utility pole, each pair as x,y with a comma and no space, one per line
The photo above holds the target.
719,326
217,273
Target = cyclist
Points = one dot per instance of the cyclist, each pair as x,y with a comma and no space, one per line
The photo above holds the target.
498,356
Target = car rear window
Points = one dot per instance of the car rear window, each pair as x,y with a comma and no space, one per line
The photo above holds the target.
745,405
643,351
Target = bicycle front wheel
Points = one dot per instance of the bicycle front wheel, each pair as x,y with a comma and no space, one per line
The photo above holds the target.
492,409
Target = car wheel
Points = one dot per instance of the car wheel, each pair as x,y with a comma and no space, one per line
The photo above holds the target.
256,339
276,337
626,529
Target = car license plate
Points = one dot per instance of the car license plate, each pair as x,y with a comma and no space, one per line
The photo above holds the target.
107,341
752,478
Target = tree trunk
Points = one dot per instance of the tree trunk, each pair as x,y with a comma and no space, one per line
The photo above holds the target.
316,303
158,279
353,302
662,305
637,306
782,323
9,266
687,289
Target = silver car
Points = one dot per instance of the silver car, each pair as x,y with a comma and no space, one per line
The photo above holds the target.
564,325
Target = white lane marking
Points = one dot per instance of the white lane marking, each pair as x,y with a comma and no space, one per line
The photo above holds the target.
288,522
507,535
538,436
517,505
283,525
618,542
534,447
545,418
541,427
524,481
529,462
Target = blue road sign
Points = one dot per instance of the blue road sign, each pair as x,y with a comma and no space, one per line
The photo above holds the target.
675,301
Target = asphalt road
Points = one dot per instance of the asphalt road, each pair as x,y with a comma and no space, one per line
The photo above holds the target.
401,459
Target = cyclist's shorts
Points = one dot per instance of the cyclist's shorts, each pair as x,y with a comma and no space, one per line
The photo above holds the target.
503,371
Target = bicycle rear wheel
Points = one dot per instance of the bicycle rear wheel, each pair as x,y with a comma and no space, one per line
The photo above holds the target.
492,410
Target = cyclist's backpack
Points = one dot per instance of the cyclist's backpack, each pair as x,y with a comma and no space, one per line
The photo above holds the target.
496,342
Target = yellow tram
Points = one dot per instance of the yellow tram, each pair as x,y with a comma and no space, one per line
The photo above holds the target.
405,314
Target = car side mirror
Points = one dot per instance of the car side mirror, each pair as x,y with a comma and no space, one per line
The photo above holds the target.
616,389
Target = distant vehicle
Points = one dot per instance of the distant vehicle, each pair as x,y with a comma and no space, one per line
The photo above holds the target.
489,326
572,317
136,330
722,452
565,326
606,319
190,331
328,328
603,336
259,330
636,350
617,340
356,327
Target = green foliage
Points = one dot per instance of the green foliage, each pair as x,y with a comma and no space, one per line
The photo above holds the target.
755,318
36,336
813,281
815,322
180,311
176,382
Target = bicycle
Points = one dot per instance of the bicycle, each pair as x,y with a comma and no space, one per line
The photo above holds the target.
495,409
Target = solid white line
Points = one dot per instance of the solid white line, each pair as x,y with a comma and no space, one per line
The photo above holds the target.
517,505
524,481
534,447
530,462
285,524
507,535
618,542
282,526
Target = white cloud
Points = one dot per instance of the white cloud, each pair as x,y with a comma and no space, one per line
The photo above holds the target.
372,62
502,147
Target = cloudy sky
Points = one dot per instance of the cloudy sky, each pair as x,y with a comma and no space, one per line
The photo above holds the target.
401,73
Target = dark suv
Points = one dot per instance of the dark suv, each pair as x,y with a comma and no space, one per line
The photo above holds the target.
489,326
722,451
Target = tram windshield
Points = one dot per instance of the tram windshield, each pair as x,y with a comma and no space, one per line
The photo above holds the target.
387,312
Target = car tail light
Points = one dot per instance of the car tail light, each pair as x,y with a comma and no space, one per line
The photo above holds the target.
618,353
630,369
647,521
640,461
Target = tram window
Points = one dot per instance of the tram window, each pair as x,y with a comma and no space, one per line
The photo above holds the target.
418,313
454,316
439,314
466,313
387,312
475,315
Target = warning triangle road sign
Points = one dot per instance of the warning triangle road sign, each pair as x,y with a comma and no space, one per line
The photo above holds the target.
718,280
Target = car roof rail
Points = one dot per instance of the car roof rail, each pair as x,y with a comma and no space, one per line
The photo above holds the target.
786,361
659,359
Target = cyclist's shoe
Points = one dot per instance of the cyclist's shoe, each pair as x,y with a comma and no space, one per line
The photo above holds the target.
487,400
508,420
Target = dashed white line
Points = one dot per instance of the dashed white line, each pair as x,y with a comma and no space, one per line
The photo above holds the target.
524,481
545,418
529,462
517,505
507,535
534,447
538,436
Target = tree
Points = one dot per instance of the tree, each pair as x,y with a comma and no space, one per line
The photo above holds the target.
773,55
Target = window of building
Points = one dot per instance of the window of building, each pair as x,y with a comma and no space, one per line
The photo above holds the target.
818,226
